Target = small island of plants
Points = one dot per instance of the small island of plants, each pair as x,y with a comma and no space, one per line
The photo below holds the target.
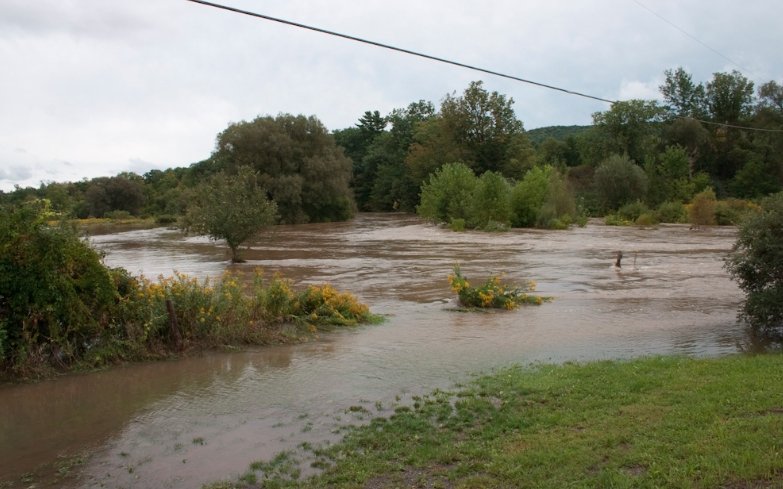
493,293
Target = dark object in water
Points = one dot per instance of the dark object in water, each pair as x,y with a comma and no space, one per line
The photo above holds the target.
619,259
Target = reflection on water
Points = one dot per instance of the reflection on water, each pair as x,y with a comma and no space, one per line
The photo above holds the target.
180,423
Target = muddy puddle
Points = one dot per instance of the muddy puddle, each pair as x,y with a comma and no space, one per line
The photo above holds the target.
181,423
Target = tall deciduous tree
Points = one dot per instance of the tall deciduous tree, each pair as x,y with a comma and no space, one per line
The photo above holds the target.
630,127
730,97
298,163
682,96
478,128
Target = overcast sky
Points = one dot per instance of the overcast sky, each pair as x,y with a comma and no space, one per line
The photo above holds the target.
96,87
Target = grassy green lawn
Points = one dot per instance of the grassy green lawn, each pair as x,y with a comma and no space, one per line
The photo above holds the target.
653,422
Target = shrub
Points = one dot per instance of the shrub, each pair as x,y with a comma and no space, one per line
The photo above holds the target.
756,263
702,209
447,194
616,220
618,180
672,212
733,211
118,215
632,211
529,195
457,224
646,219
493,293
543,199
55,294
490,201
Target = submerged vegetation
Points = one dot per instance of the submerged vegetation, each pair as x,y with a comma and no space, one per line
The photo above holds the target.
61,308
653,422
493,293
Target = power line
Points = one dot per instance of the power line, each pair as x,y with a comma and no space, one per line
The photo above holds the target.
448,61
398,49
645,7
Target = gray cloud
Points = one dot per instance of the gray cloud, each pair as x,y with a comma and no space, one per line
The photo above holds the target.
100,84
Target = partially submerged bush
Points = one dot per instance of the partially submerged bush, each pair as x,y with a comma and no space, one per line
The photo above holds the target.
756,262
701,211
60,306
733,211
671,212
493,293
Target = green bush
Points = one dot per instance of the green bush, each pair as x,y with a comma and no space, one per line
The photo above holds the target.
490,202
543,199
60,307
756,263
618,180
457,224
55,294
671,212
448,193
529,195
632,211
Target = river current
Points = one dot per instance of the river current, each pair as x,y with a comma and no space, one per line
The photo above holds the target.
181,423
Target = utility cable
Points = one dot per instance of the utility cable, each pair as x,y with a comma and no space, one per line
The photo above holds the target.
398,49
444,60
645,7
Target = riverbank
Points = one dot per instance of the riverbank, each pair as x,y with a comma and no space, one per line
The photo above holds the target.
651,422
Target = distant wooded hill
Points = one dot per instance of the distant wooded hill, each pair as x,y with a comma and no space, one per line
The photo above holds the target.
540,134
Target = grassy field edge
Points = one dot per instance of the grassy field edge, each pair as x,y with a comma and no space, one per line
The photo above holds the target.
650,422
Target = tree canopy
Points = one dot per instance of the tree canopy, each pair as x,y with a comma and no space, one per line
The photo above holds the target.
298,163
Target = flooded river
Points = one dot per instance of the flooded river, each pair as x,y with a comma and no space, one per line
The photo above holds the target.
181,423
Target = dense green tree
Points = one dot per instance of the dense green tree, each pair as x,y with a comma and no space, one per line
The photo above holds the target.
631,127
356,142
298,163
690,135
478,128
165,192
756,263
124,192
730,98
669,177
683,97
619,181
231,207
394,188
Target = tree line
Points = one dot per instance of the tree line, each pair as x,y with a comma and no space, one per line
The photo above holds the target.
642,153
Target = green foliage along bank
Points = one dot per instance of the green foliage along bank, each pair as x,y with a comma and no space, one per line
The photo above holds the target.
454,194
61,308
722,133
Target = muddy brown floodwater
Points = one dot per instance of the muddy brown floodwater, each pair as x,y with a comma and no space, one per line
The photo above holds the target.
181,423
